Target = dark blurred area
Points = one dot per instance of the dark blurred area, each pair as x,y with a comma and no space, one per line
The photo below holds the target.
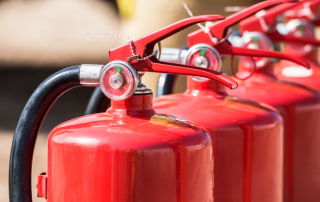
18,84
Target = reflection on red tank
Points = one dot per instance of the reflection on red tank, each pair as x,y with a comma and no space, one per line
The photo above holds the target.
288,71
130,153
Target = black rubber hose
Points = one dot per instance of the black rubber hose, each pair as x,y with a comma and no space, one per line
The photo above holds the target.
165,84
97,103
28,127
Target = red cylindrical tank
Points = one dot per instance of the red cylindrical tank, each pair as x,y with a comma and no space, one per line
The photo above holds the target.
130,153
247,140
299,107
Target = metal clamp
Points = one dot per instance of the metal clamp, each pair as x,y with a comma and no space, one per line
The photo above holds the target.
89,75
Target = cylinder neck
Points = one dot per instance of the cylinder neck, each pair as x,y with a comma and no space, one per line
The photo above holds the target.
136,105
204,87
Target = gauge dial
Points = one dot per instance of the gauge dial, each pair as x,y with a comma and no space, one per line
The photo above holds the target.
118,80
255,40
300,28
204,56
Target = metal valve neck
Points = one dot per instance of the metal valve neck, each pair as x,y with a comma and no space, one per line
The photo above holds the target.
142,89
136,105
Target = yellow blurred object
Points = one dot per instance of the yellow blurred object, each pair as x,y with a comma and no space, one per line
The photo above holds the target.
126,8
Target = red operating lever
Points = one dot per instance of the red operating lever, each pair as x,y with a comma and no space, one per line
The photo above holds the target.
307,9
218,30
253,24
269,16
144,45
225,48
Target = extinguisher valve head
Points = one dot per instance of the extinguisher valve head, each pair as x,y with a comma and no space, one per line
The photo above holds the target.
301,29
204,56
141,88
118,80
258,41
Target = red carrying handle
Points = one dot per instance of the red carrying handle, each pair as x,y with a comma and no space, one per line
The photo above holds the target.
147,42
226,49
169,68
144,46
276,36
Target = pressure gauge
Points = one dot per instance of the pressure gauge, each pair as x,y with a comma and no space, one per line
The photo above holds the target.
118,80
204,56
300,28
256,40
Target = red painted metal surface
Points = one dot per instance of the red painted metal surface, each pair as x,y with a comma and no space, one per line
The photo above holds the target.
300,109
130,153
247,140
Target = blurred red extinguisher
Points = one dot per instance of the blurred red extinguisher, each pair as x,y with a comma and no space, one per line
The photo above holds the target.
298,104
294,25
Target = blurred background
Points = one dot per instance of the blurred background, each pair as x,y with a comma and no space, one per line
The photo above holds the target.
40,37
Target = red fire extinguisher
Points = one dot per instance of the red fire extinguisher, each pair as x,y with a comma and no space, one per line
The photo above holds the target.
248,149
298,27
300,109
128,153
